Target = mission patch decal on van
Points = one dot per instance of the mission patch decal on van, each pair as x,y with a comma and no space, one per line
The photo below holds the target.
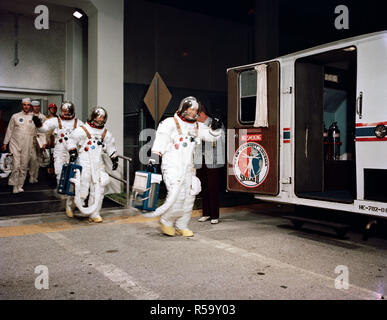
251,164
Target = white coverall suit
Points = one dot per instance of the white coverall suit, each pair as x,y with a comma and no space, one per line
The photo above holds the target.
36,153
19,136
90,151
61,130
177,151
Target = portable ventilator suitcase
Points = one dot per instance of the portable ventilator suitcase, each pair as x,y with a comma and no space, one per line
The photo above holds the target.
145,190
68,172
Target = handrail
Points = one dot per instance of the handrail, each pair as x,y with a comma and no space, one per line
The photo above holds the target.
127,159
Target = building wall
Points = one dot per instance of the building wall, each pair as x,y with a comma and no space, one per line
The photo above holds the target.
188,49
42,54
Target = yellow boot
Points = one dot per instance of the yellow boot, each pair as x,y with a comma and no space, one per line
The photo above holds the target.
69,212
96,219
185,232
70,207
170,231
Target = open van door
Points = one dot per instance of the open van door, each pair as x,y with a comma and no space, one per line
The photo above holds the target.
253,128
371,119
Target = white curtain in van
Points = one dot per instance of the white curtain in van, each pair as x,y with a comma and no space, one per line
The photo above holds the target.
261,119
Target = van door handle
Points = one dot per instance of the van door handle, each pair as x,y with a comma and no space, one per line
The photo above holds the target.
306,142
359,105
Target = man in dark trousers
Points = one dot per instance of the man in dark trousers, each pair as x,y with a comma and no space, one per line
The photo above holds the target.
209,160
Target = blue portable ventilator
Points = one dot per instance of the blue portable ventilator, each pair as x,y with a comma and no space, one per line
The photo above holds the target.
68,172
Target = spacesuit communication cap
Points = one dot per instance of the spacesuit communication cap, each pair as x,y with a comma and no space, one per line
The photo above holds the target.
69,107
98,117
186,104
53,106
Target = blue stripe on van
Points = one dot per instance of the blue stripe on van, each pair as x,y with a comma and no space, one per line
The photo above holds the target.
365,131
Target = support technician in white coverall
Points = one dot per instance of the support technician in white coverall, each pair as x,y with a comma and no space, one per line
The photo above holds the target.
39,144
86,145
61,127
20,133
175,142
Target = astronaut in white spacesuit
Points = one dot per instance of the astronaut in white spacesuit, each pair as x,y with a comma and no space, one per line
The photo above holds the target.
86,145
175,142
39,144
61,127
19,136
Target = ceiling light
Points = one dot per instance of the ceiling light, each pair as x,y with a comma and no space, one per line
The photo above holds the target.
77,14
350,49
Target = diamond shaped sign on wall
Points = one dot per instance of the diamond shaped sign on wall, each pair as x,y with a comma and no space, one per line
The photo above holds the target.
157,98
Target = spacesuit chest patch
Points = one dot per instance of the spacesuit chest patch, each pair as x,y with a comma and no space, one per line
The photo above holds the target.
21,120
251,165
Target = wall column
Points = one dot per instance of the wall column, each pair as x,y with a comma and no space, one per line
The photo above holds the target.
105,68
75,71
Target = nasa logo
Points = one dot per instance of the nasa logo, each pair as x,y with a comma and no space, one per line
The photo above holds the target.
251,165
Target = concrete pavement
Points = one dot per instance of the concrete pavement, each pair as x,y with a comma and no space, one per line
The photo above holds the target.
252,254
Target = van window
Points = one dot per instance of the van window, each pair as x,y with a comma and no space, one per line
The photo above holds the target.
247,96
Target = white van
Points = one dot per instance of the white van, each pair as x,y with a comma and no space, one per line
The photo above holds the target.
309,128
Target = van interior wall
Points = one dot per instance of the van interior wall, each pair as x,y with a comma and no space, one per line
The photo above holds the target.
335,110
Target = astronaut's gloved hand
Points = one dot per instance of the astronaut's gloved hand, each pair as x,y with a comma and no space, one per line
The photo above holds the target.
154,164
115,162
215,124
73,155
37,121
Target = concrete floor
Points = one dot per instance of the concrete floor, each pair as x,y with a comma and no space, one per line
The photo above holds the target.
252,254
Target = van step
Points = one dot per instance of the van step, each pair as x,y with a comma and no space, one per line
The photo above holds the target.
340,229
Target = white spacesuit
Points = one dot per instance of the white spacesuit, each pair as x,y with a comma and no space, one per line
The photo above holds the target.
175,142
39,143
19,136
61,127
86,145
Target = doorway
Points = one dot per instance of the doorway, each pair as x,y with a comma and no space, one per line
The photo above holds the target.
325,106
